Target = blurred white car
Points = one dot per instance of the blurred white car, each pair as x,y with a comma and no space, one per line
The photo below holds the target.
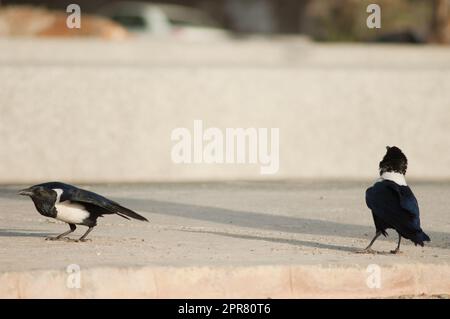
164,20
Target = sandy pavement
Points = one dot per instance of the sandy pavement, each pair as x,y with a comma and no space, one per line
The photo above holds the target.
235,224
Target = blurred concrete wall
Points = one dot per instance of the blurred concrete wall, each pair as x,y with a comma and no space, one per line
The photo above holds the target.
90,111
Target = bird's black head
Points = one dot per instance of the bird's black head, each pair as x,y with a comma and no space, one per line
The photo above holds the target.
37,192
43,198
393,161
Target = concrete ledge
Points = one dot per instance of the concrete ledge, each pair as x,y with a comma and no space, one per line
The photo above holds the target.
230,282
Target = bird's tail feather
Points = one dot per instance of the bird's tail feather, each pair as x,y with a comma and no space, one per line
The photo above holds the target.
123,216
125,213
425,237
420,238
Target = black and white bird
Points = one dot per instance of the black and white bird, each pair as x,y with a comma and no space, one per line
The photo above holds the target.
74,206
392,202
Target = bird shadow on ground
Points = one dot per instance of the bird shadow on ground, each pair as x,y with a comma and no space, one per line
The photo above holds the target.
278,240
270,222
22,233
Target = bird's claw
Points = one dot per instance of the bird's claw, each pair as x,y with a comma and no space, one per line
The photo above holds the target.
53,238
395,251
67,239
71,240
76,240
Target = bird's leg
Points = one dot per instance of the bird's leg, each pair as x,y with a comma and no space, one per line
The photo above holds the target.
368,249
82,238
397,250
71,230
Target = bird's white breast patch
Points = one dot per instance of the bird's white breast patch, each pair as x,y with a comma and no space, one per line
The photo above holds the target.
71,213
58,194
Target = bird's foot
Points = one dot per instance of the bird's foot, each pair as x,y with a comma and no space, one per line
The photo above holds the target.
82,240
70,240
73,240
67,239
396,251
53,238
367,251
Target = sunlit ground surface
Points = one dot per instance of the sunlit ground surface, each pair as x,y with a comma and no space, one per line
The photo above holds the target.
219,224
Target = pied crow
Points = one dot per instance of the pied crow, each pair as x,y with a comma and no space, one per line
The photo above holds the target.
74,206
392,202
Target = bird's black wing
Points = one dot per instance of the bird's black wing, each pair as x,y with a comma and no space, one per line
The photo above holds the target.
396,206
83,196
408,201
393,197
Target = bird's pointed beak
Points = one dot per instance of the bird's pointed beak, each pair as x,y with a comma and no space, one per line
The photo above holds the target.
26,192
